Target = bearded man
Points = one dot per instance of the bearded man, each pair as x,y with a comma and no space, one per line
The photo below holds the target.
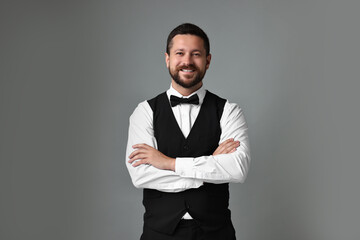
185,146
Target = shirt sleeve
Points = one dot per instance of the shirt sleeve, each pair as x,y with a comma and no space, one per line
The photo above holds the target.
232,167
146,176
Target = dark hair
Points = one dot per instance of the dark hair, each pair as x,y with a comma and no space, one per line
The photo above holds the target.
188,28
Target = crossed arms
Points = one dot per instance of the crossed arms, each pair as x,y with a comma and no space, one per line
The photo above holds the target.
149,168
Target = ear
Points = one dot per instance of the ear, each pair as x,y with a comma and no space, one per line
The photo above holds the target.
208,60
167,60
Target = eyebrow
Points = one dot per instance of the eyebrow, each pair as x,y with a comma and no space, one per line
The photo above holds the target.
181,49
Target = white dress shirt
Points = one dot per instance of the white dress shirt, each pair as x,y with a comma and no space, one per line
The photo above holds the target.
189,172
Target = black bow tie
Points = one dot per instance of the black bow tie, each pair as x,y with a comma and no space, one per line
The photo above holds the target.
194,99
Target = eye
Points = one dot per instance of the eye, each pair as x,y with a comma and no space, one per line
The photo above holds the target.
179,53
196,54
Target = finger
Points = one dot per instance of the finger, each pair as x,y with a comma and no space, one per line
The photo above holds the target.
225,145
141,145
222,146
228,147
138,163
226,141
219,150
139,156
136,152
231,146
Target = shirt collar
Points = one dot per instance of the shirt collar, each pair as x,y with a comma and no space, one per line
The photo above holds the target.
200,92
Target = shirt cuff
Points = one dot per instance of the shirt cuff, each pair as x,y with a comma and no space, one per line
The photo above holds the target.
184,166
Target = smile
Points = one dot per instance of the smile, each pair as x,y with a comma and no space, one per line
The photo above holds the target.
187,70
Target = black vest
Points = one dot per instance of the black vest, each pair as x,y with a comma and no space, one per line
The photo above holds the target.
208,205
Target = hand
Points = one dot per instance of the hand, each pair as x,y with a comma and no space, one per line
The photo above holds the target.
228,146
149,155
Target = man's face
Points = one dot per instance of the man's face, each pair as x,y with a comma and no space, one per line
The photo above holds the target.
187,61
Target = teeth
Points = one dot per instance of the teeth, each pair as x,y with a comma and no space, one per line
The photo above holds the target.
187,70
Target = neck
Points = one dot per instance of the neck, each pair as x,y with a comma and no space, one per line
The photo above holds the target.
185,91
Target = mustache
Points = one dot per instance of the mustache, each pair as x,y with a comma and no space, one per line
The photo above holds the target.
188,66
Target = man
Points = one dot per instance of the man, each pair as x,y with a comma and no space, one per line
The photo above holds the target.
185,146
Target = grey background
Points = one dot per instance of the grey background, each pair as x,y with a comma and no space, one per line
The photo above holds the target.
73,71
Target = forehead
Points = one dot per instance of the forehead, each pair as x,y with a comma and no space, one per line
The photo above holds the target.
187,42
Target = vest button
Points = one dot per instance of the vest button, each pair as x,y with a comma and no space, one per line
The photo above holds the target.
186,147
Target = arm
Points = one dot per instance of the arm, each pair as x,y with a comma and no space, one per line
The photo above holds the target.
148,176
145,154
229,163
232,167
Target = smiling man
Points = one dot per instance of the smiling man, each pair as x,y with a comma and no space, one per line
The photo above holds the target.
185,146
188,59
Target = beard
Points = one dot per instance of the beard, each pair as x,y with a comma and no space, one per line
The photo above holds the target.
198,77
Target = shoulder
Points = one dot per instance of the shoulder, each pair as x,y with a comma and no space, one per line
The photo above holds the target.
142,112
230,109
146,108
232,112
212,99
215,97
159,99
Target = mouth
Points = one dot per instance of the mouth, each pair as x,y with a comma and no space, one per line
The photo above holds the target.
187,70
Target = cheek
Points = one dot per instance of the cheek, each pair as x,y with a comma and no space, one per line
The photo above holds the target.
202,64
174,64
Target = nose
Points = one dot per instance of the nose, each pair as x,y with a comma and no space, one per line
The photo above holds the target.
187,60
